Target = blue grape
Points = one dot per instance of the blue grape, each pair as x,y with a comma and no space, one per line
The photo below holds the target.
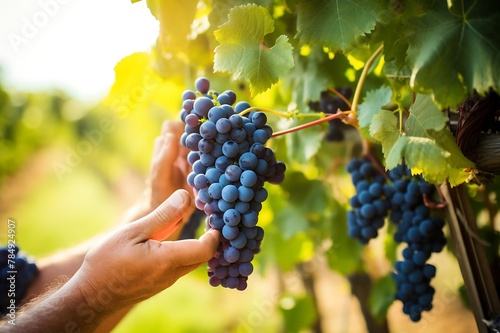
230,149
188,94
223,126
260,136
241,106
229,232
248,178
245,194
208,130
232,217
202,105
192,120
202,84
215,114
259,119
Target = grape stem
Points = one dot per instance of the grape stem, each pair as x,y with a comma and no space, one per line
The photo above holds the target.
342,97
311,123
281,114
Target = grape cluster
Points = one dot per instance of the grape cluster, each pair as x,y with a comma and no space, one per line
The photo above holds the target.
369,204
230,164
11,259
330,103
399,196
423,234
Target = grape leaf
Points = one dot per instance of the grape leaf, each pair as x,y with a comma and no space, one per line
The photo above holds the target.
336,24
372,105
343,247
423,155
291,221
384,129
175,19
308,196
431,158
453,55
304,145
381,297
426,146
242,51
301,315
424,115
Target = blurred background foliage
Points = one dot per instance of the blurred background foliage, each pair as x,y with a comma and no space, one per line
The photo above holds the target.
69,168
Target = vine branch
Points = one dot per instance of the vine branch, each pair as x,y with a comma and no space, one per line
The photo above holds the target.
361,81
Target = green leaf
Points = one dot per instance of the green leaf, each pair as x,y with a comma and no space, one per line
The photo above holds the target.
291,221
175,22
456,6
382,297
426,146
453,55
424,156
372,105
299,313
308,196
395,154
424,115
242,51
304,145
286,253
343,246
390,245
430,158
458,163
336,24
384,129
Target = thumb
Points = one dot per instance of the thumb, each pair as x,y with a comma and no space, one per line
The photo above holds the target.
165,219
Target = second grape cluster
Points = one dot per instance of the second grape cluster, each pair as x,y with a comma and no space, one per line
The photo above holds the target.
401,197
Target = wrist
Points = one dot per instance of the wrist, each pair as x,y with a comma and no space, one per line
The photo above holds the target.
103,295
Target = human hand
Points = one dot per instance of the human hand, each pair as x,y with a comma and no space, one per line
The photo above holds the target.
134,263
168,172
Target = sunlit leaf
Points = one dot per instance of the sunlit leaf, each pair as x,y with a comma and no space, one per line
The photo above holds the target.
372,105
175,19
424,115
243,53
384,129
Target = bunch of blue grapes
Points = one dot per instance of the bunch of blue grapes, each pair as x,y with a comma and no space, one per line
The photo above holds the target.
369,204
400,197
12,260
423,234
230,164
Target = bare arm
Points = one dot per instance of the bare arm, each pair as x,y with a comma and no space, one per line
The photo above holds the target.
168,172
130,265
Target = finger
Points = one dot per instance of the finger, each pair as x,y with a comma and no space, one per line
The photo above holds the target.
163,174
161,222
158,143
194,251
174,127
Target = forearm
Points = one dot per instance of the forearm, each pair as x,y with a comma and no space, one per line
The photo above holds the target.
58,268
66,310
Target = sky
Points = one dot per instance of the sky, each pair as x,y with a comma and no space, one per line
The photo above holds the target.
69,44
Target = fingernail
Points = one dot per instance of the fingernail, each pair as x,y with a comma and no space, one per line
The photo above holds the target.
176,199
